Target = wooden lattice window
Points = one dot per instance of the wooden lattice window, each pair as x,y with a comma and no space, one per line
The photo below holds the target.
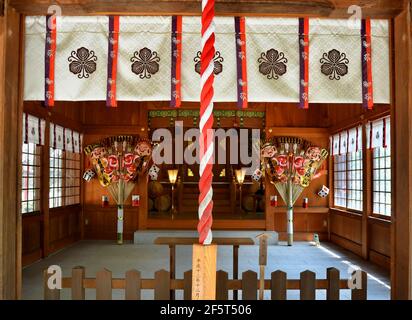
339,180
72,178
56,178
382,181
348,181
31,173
354,181
64,178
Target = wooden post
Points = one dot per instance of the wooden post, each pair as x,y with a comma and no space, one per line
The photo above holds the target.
172,266
104,285
235,268
204,272
278,285
263,251
362,293
162,285
332,293
49,294
187,291
249,285
401,254
307,285
221,285
78,291
133,285
10,143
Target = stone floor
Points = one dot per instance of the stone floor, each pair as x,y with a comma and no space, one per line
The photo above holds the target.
95,255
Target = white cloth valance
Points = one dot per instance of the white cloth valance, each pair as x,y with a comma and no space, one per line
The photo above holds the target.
33,129
346,141
65,139
379,133
272,59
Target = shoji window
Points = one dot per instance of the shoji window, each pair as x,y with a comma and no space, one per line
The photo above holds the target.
346,149
339,185
56,178
379,141
72,178
65,148
33,139
31,173
355,181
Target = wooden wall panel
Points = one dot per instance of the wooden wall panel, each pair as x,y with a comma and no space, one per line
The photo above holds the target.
347,226
64,226
346,231
32,238
349,114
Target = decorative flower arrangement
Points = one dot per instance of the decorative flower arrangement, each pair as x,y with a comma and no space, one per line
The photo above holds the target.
117,162
291,164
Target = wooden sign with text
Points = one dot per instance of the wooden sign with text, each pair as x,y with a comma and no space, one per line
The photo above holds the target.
204,272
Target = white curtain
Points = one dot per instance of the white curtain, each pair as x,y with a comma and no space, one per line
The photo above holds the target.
65,139
270,40
379,133
33,129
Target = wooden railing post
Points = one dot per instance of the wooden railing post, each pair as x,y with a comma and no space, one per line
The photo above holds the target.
332,292
78,291
278,285
362,293
162,285
104,285
249,285
187,290
49,294
221,285
133,285
307,285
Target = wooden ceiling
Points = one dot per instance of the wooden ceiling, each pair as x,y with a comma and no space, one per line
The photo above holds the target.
315,8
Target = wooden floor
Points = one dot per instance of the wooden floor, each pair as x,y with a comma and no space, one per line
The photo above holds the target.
95,255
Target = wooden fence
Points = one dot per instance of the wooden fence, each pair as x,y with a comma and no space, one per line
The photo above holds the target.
163,285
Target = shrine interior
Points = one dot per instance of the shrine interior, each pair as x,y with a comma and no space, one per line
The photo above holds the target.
84,125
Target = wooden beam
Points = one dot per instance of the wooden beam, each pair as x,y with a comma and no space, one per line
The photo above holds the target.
10,142
401,262
316,8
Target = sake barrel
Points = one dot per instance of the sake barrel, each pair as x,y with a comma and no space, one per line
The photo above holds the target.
150,204
155,189
162,203
247,202
253,188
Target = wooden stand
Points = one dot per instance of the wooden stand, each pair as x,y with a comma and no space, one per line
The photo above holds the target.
204,272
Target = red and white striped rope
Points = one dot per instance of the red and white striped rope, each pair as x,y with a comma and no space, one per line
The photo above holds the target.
206,139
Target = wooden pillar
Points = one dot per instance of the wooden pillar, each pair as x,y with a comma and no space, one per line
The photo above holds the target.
45,188
367,191
401,259
10,142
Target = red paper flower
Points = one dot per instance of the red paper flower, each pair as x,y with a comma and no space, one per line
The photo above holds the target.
279,170
298,162
282,160
113,162
128,159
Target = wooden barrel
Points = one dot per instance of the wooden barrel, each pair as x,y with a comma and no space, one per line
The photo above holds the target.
162,203
155,189
247,202
262,204
253,188
150,204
